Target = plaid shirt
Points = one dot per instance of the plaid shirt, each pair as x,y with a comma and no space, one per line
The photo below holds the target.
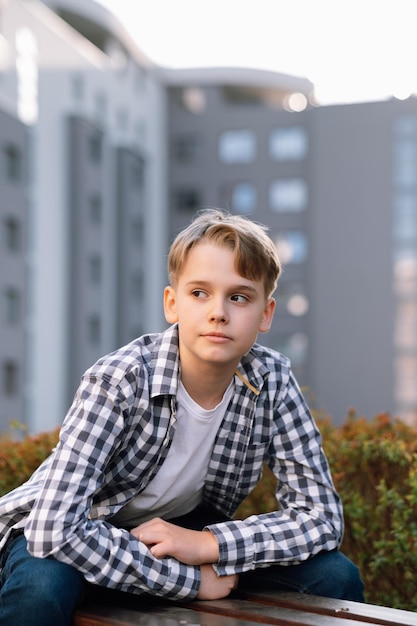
115,438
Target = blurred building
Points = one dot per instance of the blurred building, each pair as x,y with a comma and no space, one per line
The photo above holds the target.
337,185
86,102
106,156
14,280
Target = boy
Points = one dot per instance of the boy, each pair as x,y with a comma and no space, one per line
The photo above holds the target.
165,437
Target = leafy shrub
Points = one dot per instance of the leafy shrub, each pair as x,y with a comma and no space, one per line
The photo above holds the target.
374,467
19,459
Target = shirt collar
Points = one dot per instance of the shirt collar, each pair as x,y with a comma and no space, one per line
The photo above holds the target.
251,370
165,363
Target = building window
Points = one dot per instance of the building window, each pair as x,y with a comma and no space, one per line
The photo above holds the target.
405,220
292,246
297,304
405,337
405,125
138,173
12,234
122,119
294,299
244,198
288,144
77,87
288,195
193,100
295,347
405,163
101,106
139,78
139,132
94,329
136,282
12,305
95,209
405,264
137,231
237,146
95,269
12,163
10,378
405,380
405,275
95,147
186,148
188,200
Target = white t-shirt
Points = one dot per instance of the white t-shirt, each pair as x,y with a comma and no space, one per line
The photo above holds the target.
177,487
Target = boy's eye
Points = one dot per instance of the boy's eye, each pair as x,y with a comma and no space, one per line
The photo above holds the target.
238,297
199,293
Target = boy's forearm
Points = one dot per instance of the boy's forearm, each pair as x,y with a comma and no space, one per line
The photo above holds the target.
108,560
164,539
275,537
191,548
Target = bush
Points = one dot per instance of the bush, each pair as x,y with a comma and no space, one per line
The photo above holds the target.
19,459
374,467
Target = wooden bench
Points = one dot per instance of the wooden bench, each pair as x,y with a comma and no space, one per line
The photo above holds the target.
283,609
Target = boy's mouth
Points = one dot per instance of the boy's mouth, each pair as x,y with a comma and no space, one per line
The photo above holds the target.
216,336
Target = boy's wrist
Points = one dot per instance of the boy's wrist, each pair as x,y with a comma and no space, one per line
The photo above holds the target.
211,547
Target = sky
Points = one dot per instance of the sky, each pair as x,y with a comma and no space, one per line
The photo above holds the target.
352,50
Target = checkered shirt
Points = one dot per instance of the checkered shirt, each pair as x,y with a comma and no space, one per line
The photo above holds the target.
116,436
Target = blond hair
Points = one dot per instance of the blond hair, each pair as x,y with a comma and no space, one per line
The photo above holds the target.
256,257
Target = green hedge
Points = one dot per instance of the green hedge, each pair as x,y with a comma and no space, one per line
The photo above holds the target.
374,466
19,459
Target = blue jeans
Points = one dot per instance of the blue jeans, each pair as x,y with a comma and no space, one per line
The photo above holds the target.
328,574
37,592
45,592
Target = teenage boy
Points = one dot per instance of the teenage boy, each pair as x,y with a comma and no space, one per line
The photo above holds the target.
165,437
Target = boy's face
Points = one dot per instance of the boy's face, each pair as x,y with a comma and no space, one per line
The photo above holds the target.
219,312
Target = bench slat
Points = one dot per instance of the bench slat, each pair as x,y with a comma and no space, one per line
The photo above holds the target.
222,613
240,609
170,615
371,613
267,614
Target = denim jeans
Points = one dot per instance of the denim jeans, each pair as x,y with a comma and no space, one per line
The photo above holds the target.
328,574
44,592
37,592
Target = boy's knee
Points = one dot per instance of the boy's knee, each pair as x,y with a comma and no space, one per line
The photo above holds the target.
54,578
54,586
341,578
353,582
40,587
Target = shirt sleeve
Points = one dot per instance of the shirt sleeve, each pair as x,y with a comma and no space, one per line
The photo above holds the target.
309,518
59,525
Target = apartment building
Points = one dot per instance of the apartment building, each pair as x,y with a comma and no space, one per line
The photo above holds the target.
91,107
106,156
245,150
14,280
337,187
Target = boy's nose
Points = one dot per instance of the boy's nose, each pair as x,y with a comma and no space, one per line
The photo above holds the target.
218,318
218,313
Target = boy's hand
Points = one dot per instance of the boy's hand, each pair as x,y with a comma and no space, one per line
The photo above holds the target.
192,547
213,587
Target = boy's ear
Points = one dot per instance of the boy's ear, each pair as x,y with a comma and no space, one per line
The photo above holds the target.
267,316
170,305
